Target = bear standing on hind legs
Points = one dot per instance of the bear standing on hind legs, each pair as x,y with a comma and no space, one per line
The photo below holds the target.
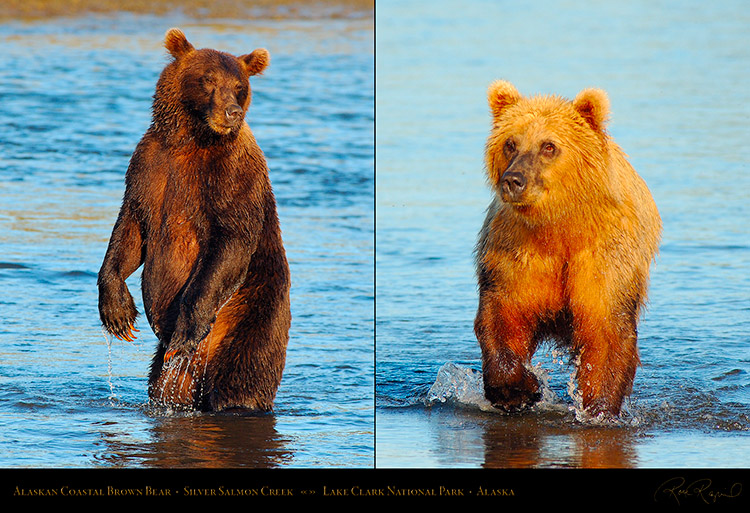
200,216
565,249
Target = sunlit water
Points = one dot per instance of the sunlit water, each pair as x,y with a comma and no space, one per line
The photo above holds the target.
75,97
676,76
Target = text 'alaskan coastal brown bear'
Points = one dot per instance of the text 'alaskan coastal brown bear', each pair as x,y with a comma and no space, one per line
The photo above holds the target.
200,216
565,250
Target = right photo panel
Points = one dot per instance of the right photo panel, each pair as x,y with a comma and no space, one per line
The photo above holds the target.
562,235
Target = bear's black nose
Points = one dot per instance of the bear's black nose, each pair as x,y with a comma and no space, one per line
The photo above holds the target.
233,113
513,183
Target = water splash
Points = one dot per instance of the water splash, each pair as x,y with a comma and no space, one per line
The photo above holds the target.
182,382
625,418
463,386
459,385
108,339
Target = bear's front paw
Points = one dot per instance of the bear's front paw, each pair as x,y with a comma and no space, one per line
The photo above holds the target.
514,395
180,346
602,408
511,400
118,313
186,337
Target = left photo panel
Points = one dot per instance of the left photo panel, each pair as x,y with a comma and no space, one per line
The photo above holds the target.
187,223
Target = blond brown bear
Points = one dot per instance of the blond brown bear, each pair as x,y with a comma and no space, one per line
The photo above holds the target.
565,250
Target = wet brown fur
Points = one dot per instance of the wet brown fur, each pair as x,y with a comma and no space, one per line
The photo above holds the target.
199,214
568,257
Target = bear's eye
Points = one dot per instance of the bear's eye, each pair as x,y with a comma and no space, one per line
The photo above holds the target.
208,81
510,146
549,148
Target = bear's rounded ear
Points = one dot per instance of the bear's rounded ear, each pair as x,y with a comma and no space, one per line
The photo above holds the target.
176,43
501,95
593,106
257,61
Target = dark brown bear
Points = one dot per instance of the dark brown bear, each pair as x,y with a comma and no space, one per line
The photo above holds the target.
199,214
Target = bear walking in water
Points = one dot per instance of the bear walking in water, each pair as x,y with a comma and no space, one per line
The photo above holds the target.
199,214
565,249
